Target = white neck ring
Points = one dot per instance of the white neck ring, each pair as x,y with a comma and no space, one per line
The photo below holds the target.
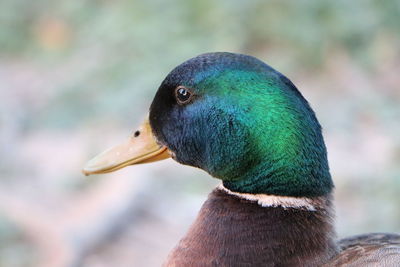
265,200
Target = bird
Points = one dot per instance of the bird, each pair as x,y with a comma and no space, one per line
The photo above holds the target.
246,124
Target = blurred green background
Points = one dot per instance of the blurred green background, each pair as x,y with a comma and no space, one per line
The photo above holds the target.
78,76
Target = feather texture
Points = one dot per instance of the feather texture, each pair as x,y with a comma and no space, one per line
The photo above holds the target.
230,231
368,250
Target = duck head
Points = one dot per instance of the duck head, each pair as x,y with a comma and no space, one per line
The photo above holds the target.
236,118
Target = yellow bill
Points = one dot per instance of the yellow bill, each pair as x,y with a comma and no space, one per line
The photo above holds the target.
141,147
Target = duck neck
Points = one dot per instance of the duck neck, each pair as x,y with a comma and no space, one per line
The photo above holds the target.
282,175
233,229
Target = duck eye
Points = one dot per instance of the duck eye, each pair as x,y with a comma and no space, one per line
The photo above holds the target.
183,95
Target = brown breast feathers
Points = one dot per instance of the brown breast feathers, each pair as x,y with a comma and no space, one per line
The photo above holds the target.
230,231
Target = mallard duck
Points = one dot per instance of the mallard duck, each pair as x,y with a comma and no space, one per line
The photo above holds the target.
248,125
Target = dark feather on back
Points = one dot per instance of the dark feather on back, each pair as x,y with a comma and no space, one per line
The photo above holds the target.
368,250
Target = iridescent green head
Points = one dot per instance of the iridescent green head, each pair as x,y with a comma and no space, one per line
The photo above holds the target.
244,123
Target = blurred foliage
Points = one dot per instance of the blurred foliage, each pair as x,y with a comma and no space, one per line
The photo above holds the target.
311,26
113,39
14,248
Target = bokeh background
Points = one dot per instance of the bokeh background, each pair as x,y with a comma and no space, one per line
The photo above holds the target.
78,76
